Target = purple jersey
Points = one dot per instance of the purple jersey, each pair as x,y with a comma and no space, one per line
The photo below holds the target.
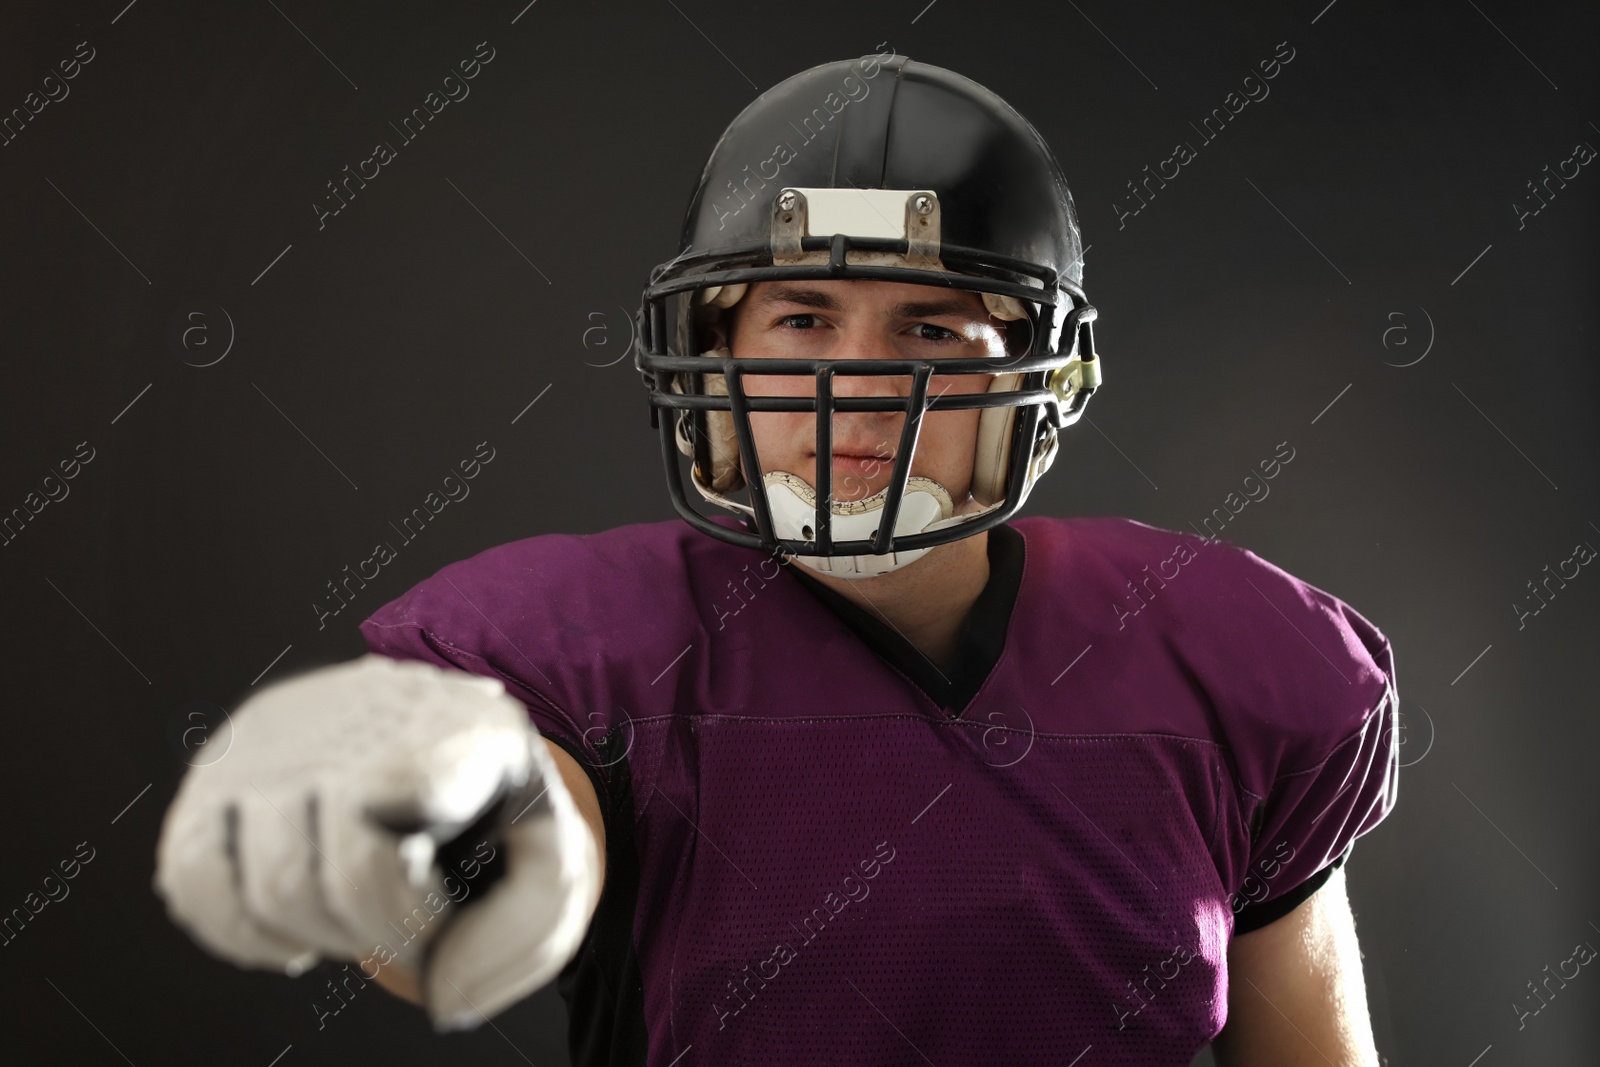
810,859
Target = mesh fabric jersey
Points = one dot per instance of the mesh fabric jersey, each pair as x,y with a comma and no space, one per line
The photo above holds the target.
819,852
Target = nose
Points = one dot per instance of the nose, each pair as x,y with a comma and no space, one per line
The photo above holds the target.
871,436
862,342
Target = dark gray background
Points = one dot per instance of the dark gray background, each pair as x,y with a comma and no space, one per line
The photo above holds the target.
1251,294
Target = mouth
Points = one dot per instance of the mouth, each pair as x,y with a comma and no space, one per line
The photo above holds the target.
862,464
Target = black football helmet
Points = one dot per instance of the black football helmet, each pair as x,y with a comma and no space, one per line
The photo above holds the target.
884,169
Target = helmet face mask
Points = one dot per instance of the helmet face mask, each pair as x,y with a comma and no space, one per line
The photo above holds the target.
845,216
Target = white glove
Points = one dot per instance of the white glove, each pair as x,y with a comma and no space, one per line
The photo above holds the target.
317,835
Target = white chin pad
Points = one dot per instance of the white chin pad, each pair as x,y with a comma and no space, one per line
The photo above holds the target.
925,506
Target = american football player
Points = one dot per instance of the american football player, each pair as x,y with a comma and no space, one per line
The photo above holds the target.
849,763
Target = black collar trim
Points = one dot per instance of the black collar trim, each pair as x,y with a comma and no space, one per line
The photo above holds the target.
983,635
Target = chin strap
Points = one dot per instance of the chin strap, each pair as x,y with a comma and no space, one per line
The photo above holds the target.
926,506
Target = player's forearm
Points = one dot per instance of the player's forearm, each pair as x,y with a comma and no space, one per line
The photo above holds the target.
588,804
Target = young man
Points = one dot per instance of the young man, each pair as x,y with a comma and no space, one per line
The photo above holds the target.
864,771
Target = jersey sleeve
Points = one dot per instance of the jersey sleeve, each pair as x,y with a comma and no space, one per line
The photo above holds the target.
499,615
1310,820
1316,740
411,641
580,628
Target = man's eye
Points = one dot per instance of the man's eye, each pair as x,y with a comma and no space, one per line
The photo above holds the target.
798,322
927,331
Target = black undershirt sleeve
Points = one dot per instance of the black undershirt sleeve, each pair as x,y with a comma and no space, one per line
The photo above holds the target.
1255,916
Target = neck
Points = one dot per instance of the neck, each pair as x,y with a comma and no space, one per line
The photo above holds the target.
927,601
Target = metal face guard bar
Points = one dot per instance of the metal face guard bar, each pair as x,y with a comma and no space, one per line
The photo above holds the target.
1050,401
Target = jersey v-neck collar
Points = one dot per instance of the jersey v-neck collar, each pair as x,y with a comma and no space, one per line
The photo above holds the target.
983,634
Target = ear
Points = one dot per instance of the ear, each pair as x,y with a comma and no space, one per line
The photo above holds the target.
710,329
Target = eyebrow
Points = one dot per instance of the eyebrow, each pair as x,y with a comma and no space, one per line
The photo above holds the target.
924,309
915,309
794,294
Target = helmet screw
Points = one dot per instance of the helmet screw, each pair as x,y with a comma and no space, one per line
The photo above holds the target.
923,204
787,200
